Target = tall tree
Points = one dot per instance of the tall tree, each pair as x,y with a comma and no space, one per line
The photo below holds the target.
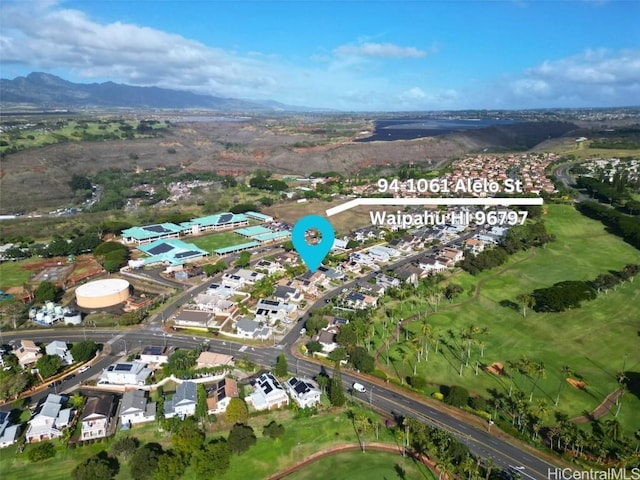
336,391
213,460
241,438
281,366
237,411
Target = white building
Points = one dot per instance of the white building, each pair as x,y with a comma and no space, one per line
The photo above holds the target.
248,328
155,354
135,408
8,431
125,373
267,393
59,348
48,420
184,401
303,391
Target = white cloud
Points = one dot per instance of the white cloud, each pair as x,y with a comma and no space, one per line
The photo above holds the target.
53,38
592,78
379,50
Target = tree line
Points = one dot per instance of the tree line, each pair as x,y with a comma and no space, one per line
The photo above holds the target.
519,237
624,226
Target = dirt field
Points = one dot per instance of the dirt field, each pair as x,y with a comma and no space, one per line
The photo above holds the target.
38,178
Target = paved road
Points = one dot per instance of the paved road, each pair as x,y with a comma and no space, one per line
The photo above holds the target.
562,174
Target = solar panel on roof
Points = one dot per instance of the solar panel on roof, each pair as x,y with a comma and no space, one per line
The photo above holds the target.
267,388
225,217
190,253
123,367
159,249
301,388
220,394
155,229
270,302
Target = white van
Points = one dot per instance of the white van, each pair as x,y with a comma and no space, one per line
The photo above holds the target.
358,387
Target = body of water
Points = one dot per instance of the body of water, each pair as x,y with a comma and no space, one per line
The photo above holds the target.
411,128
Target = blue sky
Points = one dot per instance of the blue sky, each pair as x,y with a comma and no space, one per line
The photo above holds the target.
358,55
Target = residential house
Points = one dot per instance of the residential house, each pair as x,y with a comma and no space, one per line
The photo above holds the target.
222,291
340,244
248,328
360,301
125,373
156,355
27,352
136,408
268,393
409,274
271,311
387,281
271,268
287,294
48,419
430,265
452,254
220,394
474,245
60,349
331,273
303,391
184,401
8,431
212,359
193,319
97,416
327,338
214,304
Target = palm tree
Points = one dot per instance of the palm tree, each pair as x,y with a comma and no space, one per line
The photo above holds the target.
539,370
613,430
566,373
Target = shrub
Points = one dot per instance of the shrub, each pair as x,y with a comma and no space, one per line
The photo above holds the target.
457,396
42,451
438,396
417,382
478,403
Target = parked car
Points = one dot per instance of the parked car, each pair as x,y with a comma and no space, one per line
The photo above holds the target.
84,369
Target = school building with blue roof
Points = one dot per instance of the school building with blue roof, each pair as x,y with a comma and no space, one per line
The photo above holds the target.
171,252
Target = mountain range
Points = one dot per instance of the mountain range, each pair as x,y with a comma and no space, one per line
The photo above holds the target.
43,90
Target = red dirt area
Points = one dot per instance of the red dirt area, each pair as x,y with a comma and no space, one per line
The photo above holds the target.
577,383
496,368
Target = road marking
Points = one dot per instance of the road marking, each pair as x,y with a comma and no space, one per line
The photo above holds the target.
391,202
242,348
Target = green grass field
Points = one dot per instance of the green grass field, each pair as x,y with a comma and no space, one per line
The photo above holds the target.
71,132
218,240
301,438
595,341
359,466
14,274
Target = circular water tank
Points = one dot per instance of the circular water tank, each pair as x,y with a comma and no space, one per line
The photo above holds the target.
32,313
49,306
58,310
48,319
39,316
102,293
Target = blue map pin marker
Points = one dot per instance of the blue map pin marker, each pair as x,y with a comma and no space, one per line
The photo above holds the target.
313,255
